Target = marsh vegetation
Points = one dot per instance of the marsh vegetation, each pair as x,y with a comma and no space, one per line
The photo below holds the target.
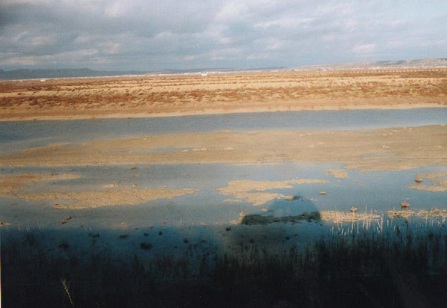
391,263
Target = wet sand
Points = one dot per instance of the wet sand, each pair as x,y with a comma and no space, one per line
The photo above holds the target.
56,190
191,94
365,150
386,149
256,192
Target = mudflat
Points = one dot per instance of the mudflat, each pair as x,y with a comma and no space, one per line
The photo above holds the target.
366,150
215,93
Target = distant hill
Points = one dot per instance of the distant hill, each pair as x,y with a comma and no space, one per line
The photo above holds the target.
86,72
60,73
419,63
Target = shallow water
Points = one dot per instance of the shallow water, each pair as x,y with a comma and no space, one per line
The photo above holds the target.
208,213
376,192
24,134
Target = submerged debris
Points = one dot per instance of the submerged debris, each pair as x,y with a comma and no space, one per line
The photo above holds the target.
64,246
66,220
93,235
146,246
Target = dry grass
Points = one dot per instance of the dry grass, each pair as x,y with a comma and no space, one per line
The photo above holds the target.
217,93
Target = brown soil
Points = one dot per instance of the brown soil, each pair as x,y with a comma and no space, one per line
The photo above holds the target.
145,96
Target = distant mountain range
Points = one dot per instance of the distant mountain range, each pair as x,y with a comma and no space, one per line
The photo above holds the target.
60,73
419,63
85,72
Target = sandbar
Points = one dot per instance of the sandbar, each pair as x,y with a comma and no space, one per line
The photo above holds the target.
218,93
34,187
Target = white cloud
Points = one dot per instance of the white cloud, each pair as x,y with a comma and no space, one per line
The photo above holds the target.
231,11
117,9
364,49
110,47
152,34
43,40
274,44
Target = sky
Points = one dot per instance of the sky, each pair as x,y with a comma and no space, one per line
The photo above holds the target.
151,35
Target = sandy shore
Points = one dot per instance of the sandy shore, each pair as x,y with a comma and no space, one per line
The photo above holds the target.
176,95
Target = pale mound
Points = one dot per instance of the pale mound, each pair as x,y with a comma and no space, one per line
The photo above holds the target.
255,191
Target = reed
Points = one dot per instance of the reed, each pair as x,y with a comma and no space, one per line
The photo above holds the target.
352,265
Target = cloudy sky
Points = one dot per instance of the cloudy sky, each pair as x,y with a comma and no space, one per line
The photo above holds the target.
186,34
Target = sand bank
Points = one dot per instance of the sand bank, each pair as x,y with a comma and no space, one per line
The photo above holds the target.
256,192
177,95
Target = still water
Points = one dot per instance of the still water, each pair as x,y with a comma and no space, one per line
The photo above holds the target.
209,211
23,134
